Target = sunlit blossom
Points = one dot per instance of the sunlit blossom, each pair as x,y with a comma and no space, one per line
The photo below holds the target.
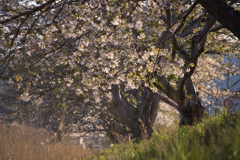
139,25
78,91
142,36
130,25
25,96
106,70
145,57
86,100
142,62
110,55
10,81
76,73
29,53
116,21
123,33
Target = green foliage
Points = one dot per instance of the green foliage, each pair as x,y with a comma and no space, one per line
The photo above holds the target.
172,77
207,15
155,25
214,138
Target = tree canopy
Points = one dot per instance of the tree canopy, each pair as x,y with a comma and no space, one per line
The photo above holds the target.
111,62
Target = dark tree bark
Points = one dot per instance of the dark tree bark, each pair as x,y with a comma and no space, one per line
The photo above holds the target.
225,14
61,125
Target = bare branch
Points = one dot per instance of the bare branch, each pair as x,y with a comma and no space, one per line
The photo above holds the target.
35,9
184,17
190,30
217,28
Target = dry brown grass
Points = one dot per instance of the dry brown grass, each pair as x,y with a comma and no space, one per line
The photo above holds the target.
23,143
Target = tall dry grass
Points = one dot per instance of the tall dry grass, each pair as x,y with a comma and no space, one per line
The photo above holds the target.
24,143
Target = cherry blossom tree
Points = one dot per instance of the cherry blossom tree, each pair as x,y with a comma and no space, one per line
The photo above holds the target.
109,63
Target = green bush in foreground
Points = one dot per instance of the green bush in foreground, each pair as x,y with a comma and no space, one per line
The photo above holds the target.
215,138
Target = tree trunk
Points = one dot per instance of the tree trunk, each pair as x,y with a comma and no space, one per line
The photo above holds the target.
193,111
138,119
61,125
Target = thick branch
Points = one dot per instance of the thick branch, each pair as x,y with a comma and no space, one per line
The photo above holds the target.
136,94
199,37
129,107
146,103
166,100
191,91
225,14
196,52
154,109
216,28
163,85
117,103
177,47
169,16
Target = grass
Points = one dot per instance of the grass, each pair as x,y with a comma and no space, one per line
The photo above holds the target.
214,138
23,143
164,128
